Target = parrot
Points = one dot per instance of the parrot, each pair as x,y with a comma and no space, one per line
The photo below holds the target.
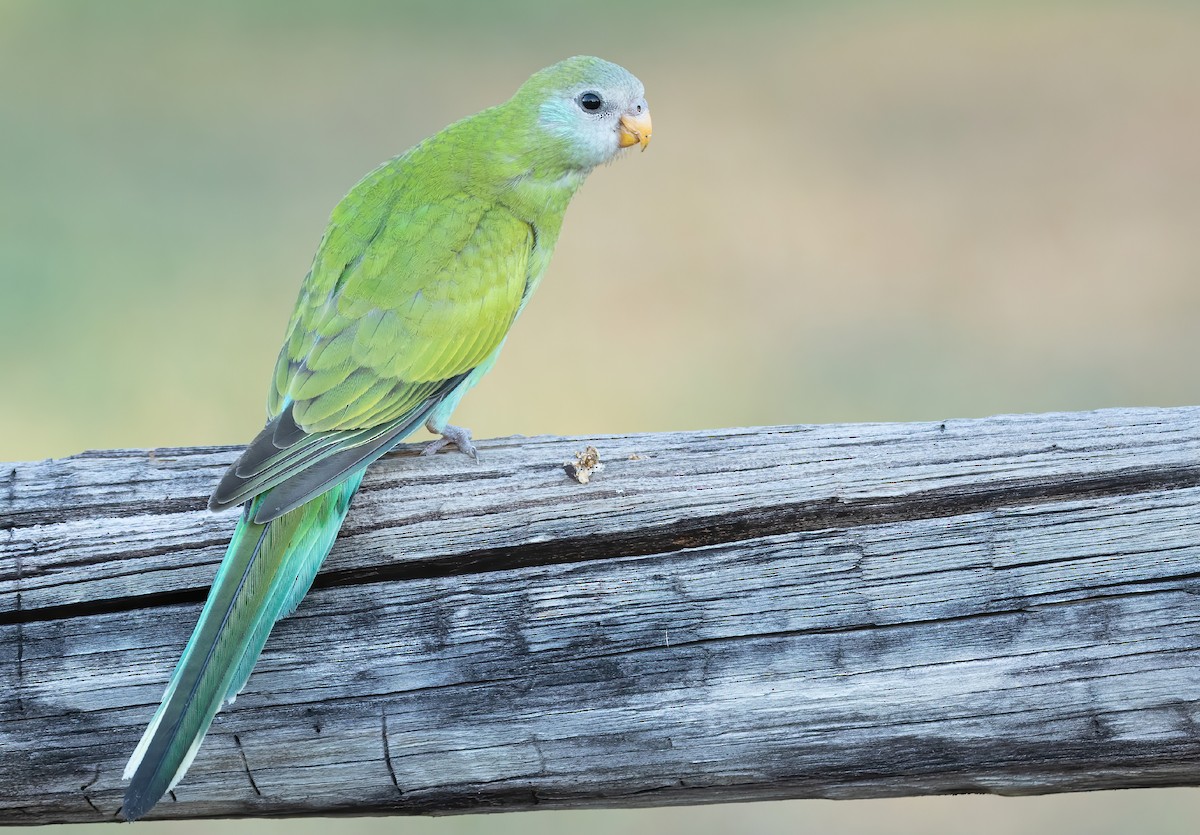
424,267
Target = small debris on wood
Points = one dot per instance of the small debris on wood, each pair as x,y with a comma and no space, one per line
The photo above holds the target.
585,463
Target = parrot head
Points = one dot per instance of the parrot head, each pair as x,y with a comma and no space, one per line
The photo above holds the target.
588,109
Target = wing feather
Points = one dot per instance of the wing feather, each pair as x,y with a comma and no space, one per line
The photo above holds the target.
404,299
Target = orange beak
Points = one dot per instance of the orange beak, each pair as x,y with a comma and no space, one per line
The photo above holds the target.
635,129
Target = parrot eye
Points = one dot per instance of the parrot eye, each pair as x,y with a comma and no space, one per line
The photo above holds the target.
590,101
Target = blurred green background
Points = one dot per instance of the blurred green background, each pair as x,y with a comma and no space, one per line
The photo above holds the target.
851,211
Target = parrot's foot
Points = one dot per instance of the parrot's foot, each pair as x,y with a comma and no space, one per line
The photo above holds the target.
457,435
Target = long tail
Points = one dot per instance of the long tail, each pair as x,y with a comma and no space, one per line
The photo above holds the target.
266,571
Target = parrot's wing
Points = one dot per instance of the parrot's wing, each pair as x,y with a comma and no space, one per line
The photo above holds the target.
404,299
295,470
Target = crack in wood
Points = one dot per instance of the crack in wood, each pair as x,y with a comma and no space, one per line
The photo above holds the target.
537,746
763,522
66,611
111,510
88,785
701,532
20,685
218,542
387,755
237,740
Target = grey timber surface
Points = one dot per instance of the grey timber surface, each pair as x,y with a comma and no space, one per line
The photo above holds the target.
1006,605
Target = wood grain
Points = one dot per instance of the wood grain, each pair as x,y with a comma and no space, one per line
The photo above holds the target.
1007,605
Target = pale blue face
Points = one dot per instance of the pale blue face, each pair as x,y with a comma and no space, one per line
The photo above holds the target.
587,105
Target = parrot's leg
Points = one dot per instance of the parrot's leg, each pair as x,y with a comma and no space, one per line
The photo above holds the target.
439,419
457,435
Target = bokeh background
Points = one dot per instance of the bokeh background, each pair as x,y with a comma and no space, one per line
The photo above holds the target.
851,211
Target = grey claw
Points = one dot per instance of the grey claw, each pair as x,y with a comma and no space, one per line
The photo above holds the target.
434,447
457,435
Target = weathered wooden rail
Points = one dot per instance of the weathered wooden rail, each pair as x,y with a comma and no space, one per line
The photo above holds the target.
1008,605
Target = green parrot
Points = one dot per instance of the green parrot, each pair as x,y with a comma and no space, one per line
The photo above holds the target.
424,267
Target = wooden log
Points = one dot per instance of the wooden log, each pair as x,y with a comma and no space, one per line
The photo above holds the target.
1008,605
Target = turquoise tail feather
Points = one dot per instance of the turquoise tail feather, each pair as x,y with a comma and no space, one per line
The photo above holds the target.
266,571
